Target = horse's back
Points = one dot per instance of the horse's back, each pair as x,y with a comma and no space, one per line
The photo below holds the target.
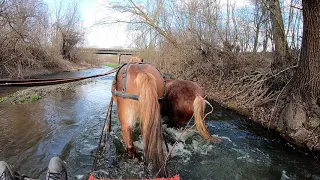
182,90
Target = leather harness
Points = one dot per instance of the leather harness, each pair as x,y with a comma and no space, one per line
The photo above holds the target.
123,93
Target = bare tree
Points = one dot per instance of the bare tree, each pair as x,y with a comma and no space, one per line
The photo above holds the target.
282,57
22,36
260,14
67,27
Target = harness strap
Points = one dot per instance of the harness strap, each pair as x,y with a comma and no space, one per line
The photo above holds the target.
124,78
130,96
115,77
123,93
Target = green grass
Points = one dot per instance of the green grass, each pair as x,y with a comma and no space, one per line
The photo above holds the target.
2,99
21,100
230,105
35,97
246,112
112,65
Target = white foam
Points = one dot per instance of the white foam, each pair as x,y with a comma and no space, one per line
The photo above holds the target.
284,175
255,156
181,151
201,148
222,137
246,156
138,144
80,176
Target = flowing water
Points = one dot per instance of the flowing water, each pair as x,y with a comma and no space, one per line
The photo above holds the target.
68,124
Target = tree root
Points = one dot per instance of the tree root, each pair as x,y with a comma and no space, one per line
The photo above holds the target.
250,90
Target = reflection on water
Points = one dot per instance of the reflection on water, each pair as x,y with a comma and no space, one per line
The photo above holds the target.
22,128
69,123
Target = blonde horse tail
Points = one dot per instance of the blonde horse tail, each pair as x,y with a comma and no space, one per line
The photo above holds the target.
150,119
199,105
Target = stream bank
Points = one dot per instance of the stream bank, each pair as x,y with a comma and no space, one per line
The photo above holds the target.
303,134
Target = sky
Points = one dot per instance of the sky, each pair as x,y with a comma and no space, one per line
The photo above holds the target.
100,36
109,36
103,36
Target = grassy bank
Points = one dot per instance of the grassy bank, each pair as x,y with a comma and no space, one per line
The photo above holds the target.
112,65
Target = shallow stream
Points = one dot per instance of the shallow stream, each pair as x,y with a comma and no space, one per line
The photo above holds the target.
68,124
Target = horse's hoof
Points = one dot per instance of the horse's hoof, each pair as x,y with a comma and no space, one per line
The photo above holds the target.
216,140
130,151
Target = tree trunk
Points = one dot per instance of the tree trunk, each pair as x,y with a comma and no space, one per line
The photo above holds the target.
259,21
282,57
299,112
256,39
307,79
266,37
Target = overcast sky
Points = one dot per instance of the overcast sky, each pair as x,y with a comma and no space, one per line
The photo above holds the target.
102,35
108,36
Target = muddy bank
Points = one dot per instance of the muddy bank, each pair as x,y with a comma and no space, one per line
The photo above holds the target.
21,95
86,61
36,93
66,66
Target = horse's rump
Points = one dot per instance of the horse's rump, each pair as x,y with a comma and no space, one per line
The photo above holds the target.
184,100
179,100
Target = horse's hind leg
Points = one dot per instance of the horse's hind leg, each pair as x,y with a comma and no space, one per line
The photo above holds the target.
127,137
127,118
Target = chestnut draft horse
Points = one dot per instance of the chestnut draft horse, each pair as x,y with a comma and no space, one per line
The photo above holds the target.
185,99
136,90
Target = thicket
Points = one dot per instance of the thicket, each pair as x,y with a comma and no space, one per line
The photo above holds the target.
221,44
34,39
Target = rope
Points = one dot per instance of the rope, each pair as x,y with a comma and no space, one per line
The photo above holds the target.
183,132
44,82
108,120
107,129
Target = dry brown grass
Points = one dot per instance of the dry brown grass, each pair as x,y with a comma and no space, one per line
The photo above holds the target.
189,62
236,79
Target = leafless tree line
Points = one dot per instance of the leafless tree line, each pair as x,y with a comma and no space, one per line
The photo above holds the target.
212,25
32,40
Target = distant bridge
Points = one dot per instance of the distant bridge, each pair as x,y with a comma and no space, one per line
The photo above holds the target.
118,52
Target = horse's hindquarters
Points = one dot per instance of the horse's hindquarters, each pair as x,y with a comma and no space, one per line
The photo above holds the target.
145,82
